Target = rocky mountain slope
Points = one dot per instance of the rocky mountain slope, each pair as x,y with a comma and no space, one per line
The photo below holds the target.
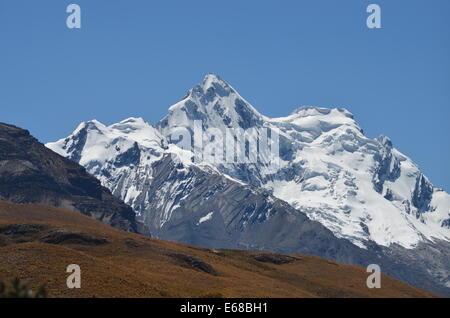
364,191
37,243
31,173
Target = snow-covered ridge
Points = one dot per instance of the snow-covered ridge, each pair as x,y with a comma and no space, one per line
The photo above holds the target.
360,188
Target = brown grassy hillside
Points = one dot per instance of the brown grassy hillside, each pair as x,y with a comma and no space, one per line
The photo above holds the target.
38,242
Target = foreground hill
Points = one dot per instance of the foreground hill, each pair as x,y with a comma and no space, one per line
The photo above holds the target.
38,242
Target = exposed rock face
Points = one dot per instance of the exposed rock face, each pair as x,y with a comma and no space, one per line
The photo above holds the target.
32,173
214,211
422,195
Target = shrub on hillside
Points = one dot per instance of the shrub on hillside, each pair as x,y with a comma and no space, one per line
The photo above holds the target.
16,289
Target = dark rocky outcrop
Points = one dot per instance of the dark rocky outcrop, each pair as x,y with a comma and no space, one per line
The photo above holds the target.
32,173
277,259
20,233
64,236
23,233
193,263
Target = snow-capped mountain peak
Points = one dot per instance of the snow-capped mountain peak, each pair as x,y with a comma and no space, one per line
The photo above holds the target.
90,125
214,103
318,119
97,146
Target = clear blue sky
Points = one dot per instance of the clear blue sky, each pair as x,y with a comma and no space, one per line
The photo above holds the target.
138,57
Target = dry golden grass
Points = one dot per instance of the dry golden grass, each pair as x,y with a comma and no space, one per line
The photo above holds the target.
131,265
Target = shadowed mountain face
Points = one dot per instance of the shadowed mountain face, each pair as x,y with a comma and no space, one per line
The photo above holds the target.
31,173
